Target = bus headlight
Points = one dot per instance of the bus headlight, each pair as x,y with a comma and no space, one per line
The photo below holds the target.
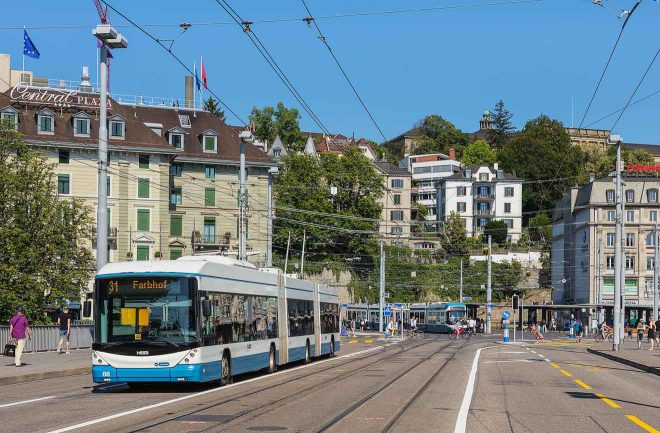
186,360
192,355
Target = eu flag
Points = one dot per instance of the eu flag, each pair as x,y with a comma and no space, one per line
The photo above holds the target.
28,46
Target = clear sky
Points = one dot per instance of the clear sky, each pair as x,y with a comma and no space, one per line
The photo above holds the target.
538,57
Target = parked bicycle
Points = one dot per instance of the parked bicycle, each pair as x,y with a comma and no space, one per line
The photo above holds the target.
465,333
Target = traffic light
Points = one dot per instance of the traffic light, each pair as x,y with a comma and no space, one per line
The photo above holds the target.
514,302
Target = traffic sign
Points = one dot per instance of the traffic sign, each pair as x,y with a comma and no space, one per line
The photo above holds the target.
397,306
388,311
467,298
344,305
506,314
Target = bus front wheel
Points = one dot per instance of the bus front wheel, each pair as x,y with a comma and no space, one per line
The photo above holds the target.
272,365
308,355
225,378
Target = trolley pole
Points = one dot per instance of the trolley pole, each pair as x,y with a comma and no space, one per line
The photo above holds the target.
460,299
616,322
489,292
656,295
102,208
382,287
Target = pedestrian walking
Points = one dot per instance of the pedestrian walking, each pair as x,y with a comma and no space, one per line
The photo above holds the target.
64,322
657,331
579,329
651,333
390,328
553,324
18,329
640,334
537,334
362,324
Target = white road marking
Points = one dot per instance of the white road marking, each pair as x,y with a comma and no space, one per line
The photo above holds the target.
461,420
26,401
509,360
512,352
540,355
198,394
533,351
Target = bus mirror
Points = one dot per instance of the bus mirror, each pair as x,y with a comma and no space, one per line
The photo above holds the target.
206,308
87,308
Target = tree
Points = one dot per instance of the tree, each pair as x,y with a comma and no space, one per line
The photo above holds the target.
438,136
497,230
270,122
542,152
540,237
502,127
43,254
479,152
212,106
453,238
602,162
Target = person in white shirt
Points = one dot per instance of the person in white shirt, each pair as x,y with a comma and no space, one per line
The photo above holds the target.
413,325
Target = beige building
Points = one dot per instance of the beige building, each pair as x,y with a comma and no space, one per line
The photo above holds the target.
396,203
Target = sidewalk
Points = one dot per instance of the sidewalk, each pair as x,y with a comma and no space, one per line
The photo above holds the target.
643,359
45,365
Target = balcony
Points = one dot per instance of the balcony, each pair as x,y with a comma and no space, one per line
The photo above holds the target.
484,213
484,197
206,241
112,233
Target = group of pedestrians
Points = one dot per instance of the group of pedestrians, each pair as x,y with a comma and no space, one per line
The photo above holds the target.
652,330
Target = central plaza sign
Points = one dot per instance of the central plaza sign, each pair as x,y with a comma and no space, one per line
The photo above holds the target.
56,97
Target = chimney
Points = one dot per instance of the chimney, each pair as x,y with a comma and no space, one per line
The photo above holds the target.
452,154
496,166
189,91
85,85
592,177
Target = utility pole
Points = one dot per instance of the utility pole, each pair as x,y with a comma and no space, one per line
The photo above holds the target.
269,222
382,287
622,315
489,291
617,246
599,284
302,254
286,258
460,299
241,209
656,295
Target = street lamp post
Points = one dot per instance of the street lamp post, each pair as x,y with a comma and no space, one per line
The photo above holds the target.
618,238
109,39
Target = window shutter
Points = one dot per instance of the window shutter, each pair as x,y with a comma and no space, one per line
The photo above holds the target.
143,188
143,219
209,197
176,225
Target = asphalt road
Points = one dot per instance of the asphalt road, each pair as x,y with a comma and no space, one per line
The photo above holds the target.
417,386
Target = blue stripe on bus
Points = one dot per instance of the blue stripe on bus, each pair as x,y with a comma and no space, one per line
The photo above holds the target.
298,353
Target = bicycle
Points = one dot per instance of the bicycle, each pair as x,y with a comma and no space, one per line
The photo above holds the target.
410,333
465,333
601,336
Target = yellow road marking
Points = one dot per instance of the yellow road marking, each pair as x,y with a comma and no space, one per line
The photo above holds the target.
608,401
352,341
566,373
642,424
582,384
368,341
554,365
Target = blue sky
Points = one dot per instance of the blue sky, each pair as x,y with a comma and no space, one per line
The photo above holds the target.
537,57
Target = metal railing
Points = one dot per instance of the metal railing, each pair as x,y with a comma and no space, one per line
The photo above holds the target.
45,338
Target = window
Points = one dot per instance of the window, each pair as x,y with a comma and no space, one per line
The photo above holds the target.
209,229
143,161
277,153
609,263
653,215
184,120
143,219
143,187
630,239
108,190
610,195
176,140
484,191
63,184
209,197
422,170
117,128
176,196
652,195
209,172
46,123
11,115
396,215
483,177
630,263
175,253
630,216
397,198
610,239
460,206
397,183
81,126
507,207
63,156
650,262
210,143
176,170
176,225
650,239
508,191
610,215
508,222
397,230
649,289
630,196
460,191
301,317
143,253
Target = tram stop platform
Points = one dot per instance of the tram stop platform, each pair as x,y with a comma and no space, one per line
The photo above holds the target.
45,365
642,359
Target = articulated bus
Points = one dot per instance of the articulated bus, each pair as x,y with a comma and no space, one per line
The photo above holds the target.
206,318
435,317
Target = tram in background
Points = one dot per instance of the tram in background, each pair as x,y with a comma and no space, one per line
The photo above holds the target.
206,318
435,317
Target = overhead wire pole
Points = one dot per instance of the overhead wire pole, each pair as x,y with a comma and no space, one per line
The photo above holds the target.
617,248
382,287
460,299
489,289
656,258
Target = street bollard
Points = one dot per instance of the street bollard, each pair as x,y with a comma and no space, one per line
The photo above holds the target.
505,330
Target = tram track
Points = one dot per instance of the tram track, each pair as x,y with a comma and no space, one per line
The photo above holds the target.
282,400
351,409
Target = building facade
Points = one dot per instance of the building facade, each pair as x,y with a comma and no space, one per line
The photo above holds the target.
479,194
395,224
583,244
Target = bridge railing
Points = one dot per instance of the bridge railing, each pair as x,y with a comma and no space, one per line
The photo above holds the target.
45,338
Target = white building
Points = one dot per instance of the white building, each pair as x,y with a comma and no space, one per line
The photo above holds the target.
480,194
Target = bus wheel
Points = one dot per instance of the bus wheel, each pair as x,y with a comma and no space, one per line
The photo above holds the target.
308,355
225,378
332,346
272,365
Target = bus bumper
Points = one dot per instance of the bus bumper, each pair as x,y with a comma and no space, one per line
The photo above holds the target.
178,373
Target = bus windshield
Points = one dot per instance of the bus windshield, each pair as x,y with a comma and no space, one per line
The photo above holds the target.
147,311
454,316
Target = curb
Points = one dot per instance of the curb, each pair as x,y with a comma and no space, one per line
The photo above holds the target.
11,380
628,362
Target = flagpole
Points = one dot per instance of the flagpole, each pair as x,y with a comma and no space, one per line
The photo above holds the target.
23,69
194,69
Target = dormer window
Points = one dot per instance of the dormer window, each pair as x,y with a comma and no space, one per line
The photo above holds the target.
81,124
483,177
209,141
184,120
117,127
46,122
156,128
175,138
10,114
468,173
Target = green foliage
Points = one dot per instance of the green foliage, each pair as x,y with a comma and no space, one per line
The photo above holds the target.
42,256
497,230
601,162
502,126
384,153
212,106
270,122
479,152
438,136
453,238
542,151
